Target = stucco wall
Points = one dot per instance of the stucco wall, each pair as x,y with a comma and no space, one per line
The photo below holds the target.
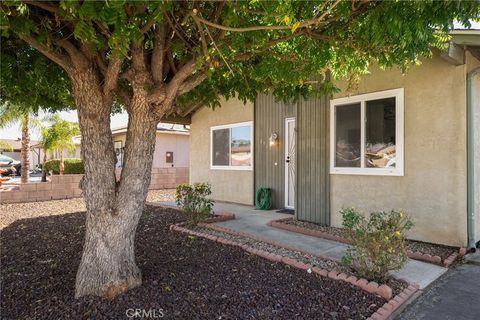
176,143
227,185
172,142
433,188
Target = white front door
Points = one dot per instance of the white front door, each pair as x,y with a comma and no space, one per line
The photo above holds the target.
290,163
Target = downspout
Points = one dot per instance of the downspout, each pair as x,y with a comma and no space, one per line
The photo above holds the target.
471,160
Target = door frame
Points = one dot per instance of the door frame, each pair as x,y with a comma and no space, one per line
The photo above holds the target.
287,121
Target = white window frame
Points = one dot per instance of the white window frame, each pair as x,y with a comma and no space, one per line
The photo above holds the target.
398,94
230,126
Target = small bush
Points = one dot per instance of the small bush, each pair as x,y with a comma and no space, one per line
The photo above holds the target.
378,242
193,200
71,166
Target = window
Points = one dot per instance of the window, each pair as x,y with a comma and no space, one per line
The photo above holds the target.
366,134
232,146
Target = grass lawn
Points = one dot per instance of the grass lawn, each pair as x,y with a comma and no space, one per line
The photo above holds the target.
188,278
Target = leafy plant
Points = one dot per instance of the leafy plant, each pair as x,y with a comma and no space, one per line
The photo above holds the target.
378,243
193,199
72,166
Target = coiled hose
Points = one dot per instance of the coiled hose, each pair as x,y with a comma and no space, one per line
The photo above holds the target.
263,199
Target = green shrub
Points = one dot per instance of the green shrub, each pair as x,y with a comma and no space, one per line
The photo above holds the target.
52,165
378,243
71,166
193,200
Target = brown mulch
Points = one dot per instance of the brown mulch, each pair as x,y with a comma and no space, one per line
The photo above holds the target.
424,247
186,277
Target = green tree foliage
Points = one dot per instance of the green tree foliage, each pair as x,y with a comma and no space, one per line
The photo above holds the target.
59,135
29,81
242,47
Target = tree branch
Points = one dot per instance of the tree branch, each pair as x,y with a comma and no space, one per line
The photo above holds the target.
111,79
60,59
307,23
45,5
78,59
192,82
158,54
202,37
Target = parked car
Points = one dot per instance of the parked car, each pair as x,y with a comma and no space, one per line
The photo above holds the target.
12,166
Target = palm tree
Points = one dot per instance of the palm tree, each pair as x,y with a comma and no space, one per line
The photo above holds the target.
59,136
10,114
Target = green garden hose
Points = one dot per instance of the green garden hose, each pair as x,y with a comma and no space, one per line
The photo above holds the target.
263,199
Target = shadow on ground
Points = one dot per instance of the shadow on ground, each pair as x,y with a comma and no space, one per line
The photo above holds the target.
188,278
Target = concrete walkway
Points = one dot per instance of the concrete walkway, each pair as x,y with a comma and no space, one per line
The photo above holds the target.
255,222
456,296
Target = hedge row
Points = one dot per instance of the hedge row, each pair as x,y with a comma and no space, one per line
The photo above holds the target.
71,165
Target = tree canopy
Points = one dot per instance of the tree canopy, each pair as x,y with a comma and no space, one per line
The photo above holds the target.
29,81
237,47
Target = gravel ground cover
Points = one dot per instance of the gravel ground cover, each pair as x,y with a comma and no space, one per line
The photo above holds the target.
432,249
186,277
15,211
427,248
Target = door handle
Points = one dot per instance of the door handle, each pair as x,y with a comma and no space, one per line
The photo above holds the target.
288,159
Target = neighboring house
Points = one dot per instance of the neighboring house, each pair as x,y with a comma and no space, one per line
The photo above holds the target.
170,160
397,142
36,153
171,147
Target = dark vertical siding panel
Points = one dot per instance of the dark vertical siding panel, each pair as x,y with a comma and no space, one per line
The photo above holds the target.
312,158
270,117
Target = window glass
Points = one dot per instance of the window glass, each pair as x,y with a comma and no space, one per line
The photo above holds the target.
380,133
220,148
347,135
241,143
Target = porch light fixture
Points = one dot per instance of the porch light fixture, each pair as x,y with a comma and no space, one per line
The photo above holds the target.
273,139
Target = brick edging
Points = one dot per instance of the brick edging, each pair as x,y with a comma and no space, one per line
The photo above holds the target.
218,216
385,311
279,224
369,286
416,255
262,239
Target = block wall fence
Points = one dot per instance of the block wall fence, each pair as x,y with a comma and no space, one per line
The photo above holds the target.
67,186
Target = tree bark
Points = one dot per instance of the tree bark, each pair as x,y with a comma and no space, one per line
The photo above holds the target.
61,165
24,156
108,266
103,268
44,172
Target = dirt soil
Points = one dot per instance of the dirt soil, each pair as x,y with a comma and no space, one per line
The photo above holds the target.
183,277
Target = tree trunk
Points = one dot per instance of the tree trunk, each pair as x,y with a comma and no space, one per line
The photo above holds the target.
44,172
61,165
25,157
108,267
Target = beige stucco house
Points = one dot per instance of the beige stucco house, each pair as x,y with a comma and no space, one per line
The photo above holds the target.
401,141
171,147
171,159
